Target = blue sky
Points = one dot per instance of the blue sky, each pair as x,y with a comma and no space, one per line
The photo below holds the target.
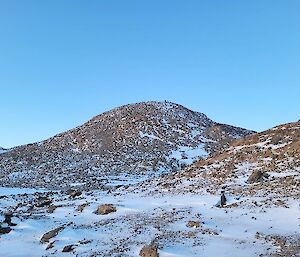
62,62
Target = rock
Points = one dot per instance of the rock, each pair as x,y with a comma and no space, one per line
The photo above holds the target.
43,203
193,224
51,208
74,193
50,245
7,219
255,177
82,206
105,209
84,242
50,234
149,251
191,234
5,230
68,248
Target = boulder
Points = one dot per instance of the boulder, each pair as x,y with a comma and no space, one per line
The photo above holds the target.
51,208
50,234
256,176
5,230
81,207
193,224
68,248
74,193
7,219
105,209
149,251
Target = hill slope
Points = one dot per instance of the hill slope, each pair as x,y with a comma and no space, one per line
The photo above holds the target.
132,139
257,165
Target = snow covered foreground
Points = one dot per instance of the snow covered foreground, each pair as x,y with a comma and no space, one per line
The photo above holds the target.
237,230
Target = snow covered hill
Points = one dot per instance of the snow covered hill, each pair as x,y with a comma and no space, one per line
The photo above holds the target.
176,214
257,164
138,139
2,150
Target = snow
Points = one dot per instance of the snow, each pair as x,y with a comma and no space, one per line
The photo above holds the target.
189,154
15,191
283,174
163,215
142,135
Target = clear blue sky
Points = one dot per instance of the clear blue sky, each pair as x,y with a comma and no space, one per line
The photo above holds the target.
64,61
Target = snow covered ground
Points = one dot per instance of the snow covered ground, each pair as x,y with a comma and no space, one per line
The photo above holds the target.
238,230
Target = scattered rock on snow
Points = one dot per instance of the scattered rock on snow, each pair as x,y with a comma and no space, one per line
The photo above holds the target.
105,209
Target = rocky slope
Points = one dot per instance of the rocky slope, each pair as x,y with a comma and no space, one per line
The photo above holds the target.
260,175
263,164
137,139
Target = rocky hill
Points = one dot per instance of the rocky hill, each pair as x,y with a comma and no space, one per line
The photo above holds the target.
137,139
2,150
263,164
